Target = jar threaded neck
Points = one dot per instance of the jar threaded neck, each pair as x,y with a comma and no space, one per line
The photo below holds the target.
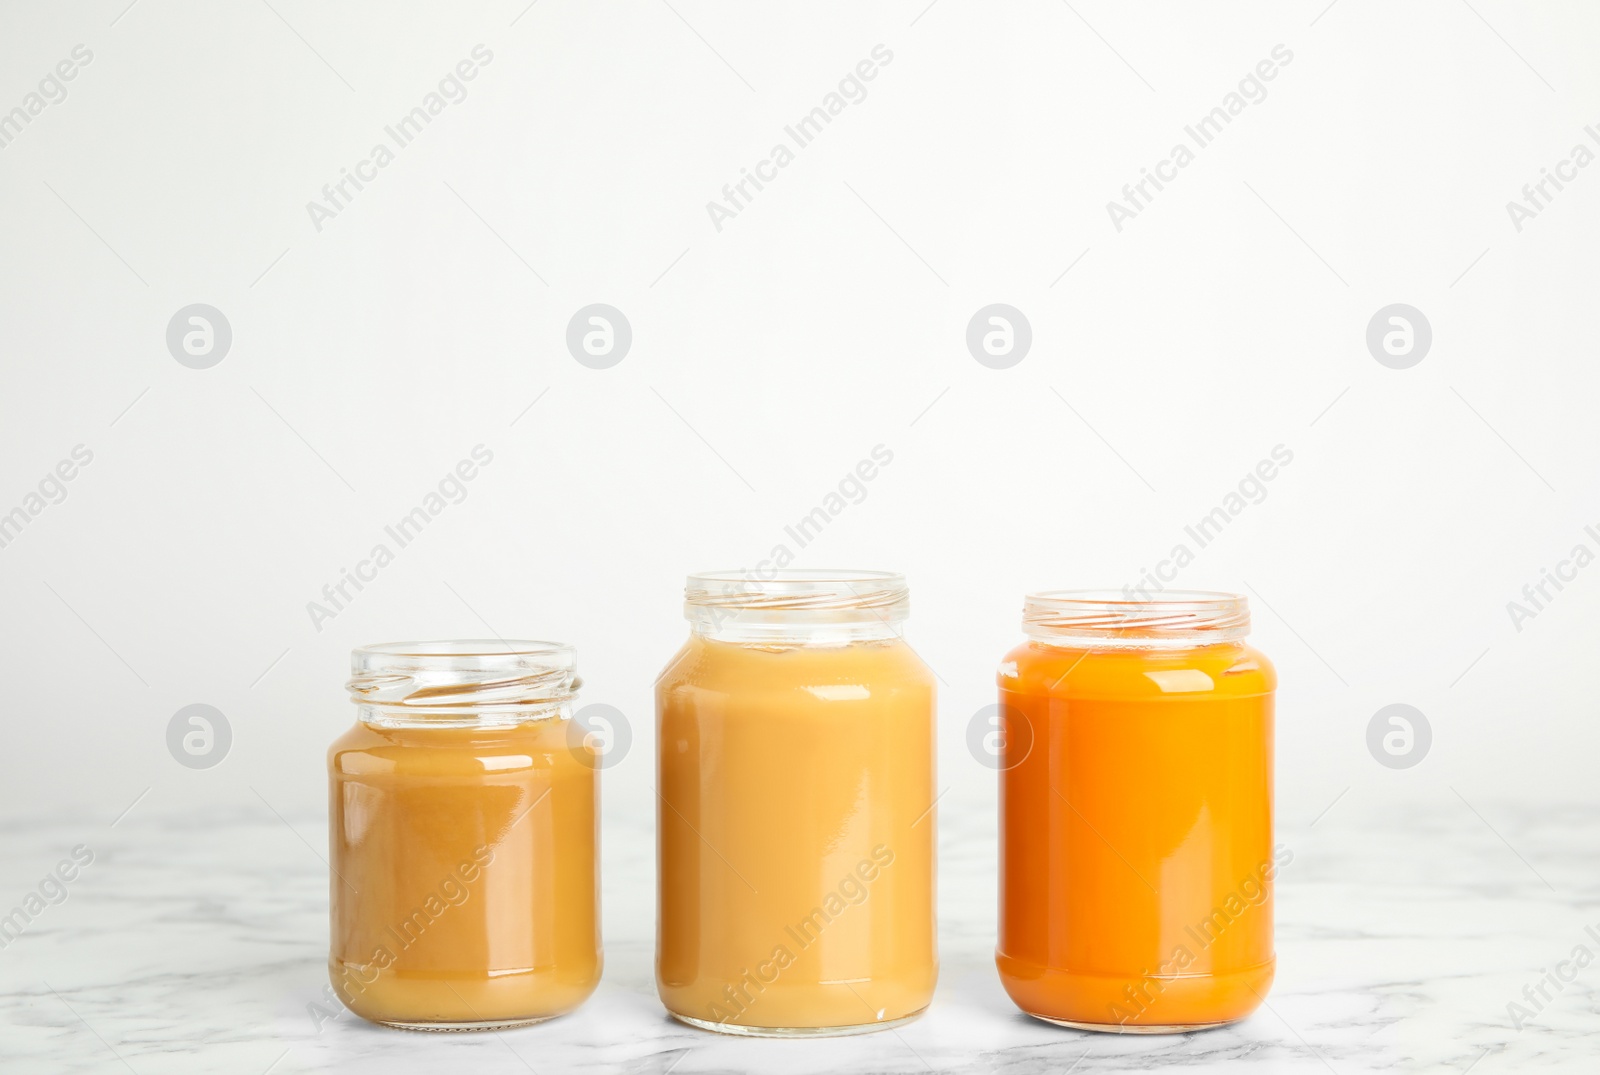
468,681
796,605
1109,617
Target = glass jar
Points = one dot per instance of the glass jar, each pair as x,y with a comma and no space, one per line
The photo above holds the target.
796,823
462,838
1136,813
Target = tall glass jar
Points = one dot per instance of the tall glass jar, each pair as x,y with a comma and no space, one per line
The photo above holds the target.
462,838
796,820
1137,862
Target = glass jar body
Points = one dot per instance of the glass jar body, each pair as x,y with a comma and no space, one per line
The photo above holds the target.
796,836
1136,833
464,891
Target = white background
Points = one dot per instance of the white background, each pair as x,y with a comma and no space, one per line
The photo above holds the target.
770,357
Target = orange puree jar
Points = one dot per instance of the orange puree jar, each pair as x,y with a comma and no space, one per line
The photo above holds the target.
796,816
462,838
1136,813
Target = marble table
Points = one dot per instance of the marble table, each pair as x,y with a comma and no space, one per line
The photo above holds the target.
196,944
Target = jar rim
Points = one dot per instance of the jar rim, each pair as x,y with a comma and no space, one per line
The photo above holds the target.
465,648
752,604
797,590
1185,617
463,674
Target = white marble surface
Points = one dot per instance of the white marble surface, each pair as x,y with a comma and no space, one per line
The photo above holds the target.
196,944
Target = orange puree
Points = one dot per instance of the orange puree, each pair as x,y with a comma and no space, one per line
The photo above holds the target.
796,836
1137,856
463,887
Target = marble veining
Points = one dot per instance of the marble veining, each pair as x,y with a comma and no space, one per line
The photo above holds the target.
198,945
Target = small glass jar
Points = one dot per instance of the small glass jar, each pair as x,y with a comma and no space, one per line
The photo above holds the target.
462,838
796,823
1136,813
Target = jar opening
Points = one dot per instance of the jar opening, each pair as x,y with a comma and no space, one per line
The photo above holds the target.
1113,617
791,603
506,678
